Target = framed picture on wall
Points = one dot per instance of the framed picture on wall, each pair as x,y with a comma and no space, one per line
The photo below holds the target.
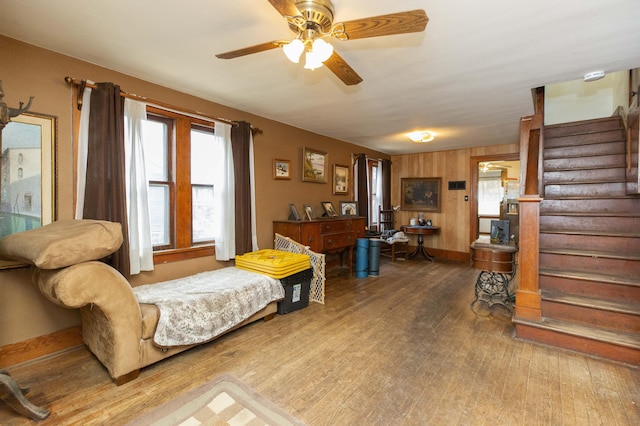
314,166
282,169
27,174
340,179
421,194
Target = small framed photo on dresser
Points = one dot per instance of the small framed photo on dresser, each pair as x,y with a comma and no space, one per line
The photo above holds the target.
348,208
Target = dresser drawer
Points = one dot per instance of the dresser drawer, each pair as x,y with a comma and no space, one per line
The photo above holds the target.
336,226
338,240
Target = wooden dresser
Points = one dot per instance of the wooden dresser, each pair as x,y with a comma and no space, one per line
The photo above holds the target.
332,235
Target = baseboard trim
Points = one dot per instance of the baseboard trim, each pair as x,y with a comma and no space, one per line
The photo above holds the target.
37,347
455,256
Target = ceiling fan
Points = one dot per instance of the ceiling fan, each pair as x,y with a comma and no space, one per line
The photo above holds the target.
312,21
485,167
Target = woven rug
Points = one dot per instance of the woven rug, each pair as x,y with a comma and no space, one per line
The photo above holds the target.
223,401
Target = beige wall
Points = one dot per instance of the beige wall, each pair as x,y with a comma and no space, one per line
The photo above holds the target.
453,219
579,100
30,71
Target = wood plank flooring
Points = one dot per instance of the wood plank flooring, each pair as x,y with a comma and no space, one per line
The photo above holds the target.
404,348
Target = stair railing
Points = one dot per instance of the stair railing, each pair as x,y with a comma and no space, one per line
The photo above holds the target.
528,299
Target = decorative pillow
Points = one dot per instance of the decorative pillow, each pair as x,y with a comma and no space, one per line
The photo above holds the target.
63,243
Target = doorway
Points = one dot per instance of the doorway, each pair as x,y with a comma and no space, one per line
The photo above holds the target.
500,177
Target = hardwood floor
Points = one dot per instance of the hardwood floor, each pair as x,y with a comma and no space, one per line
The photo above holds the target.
404,348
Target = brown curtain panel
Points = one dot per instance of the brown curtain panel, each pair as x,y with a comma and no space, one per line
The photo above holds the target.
386,184
240,143
363,195
105,192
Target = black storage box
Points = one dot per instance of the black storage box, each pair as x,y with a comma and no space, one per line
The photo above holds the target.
296,291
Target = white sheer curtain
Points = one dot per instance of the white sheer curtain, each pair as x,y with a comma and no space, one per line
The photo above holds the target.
254,231
140,245
224,197
377,201
490,195
83,143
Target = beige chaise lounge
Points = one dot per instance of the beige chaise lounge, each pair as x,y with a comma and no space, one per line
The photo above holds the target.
115,327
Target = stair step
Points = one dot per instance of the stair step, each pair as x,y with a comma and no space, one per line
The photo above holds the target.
617,174
592,149
591,189
605,289
583,139
589,302
616,346
621,266
583,126
606,243
591,232
591,214
592,253
614,224
590,205
589,276
601,314
585,163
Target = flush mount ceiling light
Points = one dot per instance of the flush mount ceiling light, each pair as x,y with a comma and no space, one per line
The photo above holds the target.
422,136
593,76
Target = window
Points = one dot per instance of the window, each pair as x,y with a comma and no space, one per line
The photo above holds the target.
180,155
205,154
28,202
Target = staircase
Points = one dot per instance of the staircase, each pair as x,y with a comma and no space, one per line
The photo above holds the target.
589,260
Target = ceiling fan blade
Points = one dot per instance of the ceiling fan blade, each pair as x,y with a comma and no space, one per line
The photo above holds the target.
412,21
250,50
342,70
285,7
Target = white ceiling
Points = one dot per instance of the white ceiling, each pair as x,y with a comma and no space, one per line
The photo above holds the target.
468,76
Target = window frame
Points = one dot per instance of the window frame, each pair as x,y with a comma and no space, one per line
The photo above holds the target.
180,210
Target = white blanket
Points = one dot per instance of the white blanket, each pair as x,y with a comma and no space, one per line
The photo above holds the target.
200,307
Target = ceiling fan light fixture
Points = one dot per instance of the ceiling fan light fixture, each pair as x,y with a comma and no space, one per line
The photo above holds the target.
312,61
422,136
322,49
293,50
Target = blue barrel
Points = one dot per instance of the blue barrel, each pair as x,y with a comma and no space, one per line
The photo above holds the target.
362,257
374,257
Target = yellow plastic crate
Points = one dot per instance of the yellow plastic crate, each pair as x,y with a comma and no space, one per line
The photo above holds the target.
274,263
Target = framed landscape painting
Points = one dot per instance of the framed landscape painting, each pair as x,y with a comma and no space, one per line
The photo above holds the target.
340,179
421,194
281,169
314,166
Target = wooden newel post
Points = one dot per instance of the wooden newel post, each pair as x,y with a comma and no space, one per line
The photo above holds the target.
528,299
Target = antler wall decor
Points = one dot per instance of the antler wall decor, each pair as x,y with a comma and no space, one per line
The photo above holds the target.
7,113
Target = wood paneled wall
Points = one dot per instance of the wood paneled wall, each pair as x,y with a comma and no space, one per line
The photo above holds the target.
454,219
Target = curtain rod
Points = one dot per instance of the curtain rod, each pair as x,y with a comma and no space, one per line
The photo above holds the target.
72,81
